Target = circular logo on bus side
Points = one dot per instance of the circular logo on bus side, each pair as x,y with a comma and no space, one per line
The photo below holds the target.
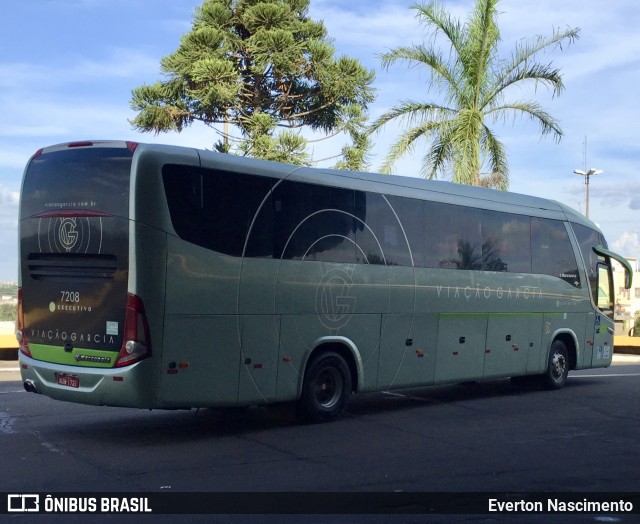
70,235
334,305
67,233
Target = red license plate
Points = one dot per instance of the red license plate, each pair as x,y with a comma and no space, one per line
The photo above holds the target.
68,380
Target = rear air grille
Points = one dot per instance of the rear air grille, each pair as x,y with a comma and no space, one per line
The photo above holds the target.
72,267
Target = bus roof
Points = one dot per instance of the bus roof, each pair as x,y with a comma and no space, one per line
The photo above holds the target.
398,185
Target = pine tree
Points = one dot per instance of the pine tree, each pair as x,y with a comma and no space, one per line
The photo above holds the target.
259,65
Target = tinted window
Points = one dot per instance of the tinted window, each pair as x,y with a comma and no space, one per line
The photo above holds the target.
263,217
380,234
551,250
588,238
215,209
313,222
453,236
87,178
506,242
411,213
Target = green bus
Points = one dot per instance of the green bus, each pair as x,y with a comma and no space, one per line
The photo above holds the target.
169,277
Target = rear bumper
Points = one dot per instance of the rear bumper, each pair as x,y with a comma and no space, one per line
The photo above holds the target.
131,386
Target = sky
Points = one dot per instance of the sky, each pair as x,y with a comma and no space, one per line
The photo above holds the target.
67,68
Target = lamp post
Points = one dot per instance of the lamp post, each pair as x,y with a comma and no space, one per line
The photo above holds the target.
586,175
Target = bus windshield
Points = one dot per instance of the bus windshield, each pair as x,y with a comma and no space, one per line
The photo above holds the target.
95,179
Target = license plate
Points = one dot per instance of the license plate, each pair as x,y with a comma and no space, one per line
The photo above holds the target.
69,381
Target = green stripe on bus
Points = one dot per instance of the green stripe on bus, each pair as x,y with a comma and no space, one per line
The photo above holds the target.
94,358
499,314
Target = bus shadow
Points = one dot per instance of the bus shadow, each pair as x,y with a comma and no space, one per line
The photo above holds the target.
160,427
451,393
167,427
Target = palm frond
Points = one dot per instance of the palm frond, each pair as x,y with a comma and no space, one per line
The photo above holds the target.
442,74
405,144
410,112
480,46
439,154
518,68
434,16
498,177
548,124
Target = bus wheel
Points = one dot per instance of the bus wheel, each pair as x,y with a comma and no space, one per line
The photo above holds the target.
326,388
557,366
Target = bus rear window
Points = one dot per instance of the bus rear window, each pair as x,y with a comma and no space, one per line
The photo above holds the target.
78,179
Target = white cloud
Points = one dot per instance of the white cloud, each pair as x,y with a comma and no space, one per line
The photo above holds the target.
8,212
604,32
627,244
34,130
118,63
378,27
14,159
8,197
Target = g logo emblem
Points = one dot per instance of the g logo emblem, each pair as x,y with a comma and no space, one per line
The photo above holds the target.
67,233
334,305
70,234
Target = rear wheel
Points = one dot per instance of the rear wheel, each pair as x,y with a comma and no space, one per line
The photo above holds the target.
326,389
557,366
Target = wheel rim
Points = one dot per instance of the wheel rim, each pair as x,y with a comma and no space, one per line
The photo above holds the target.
558,366
327,388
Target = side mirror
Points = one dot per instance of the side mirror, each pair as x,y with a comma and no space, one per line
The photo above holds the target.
628,271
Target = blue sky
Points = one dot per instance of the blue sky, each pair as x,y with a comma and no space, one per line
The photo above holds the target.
67,68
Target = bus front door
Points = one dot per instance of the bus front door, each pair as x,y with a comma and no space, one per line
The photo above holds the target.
603,325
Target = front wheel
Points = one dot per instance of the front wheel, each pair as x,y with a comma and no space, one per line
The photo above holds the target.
326,388
557,366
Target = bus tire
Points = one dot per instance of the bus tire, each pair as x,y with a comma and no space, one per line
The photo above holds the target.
557,366
326,388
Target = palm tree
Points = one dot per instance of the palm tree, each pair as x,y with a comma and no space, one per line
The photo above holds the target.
472,79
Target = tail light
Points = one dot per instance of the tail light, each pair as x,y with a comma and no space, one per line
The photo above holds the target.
23,344
136,343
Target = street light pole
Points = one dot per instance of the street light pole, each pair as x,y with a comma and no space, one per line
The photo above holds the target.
586,175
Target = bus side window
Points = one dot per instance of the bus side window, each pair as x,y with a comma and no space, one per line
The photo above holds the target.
215,209
453,236
587,238
313,222
551,251
506,242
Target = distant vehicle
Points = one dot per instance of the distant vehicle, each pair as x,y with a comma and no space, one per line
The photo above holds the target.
167,277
